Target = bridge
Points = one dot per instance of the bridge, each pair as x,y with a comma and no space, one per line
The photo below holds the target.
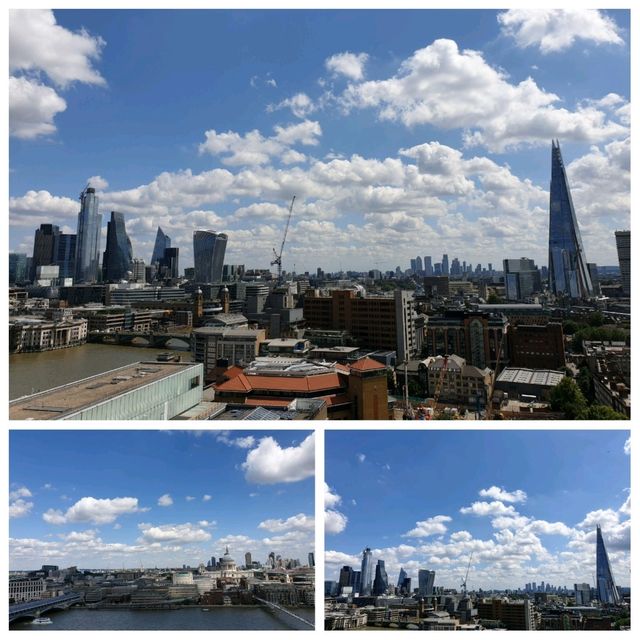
155,339
273,605
35,608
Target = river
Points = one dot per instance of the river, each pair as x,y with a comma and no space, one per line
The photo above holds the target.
250,618
33,372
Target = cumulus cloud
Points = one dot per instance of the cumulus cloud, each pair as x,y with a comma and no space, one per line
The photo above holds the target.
553,30
20,508
429,527
165,500
300,105
331,499
504,496
269,463
350,65
243,442
494,508
361,457
97,182
299,522
334,520
206,497
95,510
32,108
185,533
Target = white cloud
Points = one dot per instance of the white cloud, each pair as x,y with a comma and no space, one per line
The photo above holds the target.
494,508
300,105
206,497
504,496
243,442
32,108
299,522
35,206
189,498
429,527
185,533
20,492
97,182
361,457
95,510
627,446
334,521
20,508
269,463
165,500
350,65
37,42
80,536
331,499
554,30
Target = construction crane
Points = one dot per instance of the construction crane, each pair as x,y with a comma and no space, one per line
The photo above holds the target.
408,413
464,582
278,256
489,411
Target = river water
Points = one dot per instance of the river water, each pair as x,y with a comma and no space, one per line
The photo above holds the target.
250,618
33,372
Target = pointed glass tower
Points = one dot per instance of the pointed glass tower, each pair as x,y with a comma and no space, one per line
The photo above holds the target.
568,271
366,572
163,241
606,585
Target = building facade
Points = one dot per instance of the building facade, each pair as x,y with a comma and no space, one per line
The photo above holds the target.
118,255
606,585
536,346
162,242
623,245
88,238
208,254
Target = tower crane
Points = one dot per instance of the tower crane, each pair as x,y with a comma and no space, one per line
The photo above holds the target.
464,582
489,410
278,256
436,394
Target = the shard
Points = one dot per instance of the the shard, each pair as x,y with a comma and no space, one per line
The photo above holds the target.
568,272
606,585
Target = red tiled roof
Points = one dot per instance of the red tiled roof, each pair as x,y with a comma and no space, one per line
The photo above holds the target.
237,383
233,371
367,364
268,402
307,384
332,401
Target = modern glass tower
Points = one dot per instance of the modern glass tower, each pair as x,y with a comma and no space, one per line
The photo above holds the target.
568,271
208,255
88,237
64,254
163,241
426,579
118,255
402,576
381,581
623,244
366,573
606,585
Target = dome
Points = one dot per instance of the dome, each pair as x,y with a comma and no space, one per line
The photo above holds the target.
227,559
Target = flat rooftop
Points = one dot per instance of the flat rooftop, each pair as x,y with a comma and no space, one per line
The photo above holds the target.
543,377
68,399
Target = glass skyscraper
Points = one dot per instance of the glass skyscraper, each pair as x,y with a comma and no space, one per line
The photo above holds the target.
366,573
381,581
208,255
118,255
88,237
426,580
568,271
606,586
163,241
64,254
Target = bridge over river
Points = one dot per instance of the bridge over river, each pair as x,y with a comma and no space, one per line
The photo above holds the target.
273,605
35,608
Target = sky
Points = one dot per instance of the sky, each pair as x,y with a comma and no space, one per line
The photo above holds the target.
401,132
522,504
113,499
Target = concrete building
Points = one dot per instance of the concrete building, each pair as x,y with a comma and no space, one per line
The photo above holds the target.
536,346
528,384
25,589
623,245
461,383
139,391
29,333
237,346
610,366
515,615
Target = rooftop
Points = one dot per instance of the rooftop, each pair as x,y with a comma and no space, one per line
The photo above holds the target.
71,398
544,377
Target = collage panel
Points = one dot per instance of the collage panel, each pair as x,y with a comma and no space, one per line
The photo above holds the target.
477,530
161,530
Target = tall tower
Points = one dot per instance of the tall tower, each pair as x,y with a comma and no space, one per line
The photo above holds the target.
568,271
208,255
88,237
366,573
163,241
606,585
426,580
381,582
623,244
118,255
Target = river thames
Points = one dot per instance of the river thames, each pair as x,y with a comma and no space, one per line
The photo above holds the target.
215,618
33,372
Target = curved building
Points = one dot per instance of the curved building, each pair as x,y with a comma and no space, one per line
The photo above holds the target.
118,255
88,237
568,272
606,586
208,255
163,241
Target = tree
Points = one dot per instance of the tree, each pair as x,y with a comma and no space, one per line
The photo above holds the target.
601,412
567,398
585,382
493,299
391,380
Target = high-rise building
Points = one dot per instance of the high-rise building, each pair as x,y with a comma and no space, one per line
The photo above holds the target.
247,556
88,238
583,594
357,581
623,245
346,577
445,264
311,559
169,263
17,268
413,265
521,278
64,254
208,255
428,267
401,577
418,264
163,241
138,270
381,581
595,278
43,243
118,255
426,580
568,271
606,586
366,573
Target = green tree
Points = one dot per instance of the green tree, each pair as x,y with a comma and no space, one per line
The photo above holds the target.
595,319
585,382
567,398
601,412
494,299
391,380
569,327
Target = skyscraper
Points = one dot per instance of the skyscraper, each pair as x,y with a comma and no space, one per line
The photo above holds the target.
381,581
418,264
521,278
623,245
43,244
88,237
428,267
118,255
366,573
402,576
426,579
17,267
163,242
445,264
583,594
64,254
169,263
606,586
568,271
208,255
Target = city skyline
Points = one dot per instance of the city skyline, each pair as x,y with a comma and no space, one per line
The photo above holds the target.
108,499
515,499
315,106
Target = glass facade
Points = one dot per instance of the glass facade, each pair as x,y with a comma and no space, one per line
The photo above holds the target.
426,580
163,241
606,586
366,573
568,271
381,582
118,255
64,254
88,237
208,255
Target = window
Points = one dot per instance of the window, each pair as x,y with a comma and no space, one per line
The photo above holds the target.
195,382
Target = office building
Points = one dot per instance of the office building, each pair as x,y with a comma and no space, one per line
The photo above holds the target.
162,243
445,265
536,346
43,244
64,254
606,585
366,572
237,346
26,589
521,278
460,383
17,268
345,578
428,267
595,278
623,245
88,238
208,254
583,594
31,333
116,262
402,576
426,580
568,271
528,384
418,264
381,580
169,267
515,615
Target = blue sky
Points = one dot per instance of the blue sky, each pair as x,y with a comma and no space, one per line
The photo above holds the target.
402,133
525,503
114,498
